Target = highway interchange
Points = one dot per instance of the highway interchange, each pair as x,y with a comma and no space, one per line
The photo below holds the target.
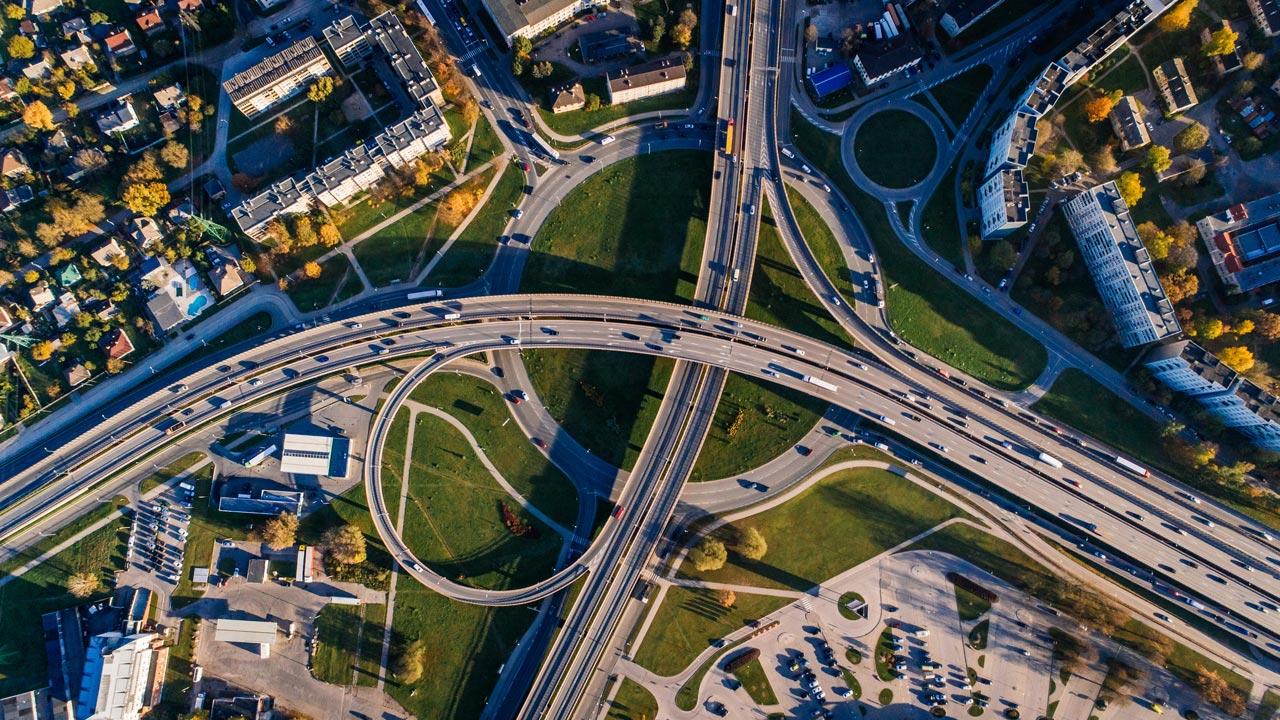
1160,529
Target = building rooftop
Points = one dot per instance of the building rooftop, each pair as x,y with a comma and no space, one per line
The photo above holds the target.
599,46
645,74
1017,198
1200,361
879,59
1175,85
1268,14
833,79
315,455
512,16
272,68
249,632
1046,89
1126,120
1106,38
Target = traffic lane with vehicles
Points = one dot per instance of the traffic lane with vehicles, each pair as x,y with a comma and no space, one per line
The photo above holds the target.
596,306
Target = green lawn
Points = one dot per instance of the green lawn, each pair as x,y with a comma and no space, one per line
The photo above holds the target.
473,250
960,94
349,643
939,224
1002,16
926,311
177,674
351,507
485,144
882,652
577,122
635,229
633,702
60,536
1081,402
43,589
1269,705
756,683
454,518
337,277
755,422
895,149
170,471
389,254
969,605
690,620
484,412
823,244
779,294
852,515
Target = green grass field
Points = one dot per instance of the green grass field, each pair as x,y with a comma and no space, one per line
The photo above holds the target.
895,149
169,472
389,254
960,94
755,422
1078,400
925,310
576,122
779,295
337,276
346,643
756,683
635,228
689,620
454,519
207,525
633,702
969,605
60,536
484,412
823,244
473,250
43,589
939,224
852,515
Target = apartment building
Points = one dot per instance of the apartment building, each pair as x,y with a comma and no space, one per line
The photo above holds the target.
1005,201
531,18
1266,15
1121,268
1128,125
1237,403
1244,243
646,80
277,77
1175,86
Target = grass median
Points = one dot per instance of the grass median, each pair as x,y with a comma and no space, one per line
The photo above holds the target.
925,309
851,515
473,250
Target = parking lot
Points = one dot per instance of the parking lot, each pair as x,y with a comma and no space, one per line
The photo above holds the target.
158,536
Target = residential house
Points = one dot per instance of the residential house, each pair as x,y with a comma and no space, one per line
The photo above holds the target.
6,320
13,163
1121,268
149,21
227,278
30,30
1266,15
107,250
57,143
77,374
41,296
1223,64
277,77
119,117
76,30
1127,122
120,43
145,232
568,98
116,344
190,5
169,122
1175,87
68,275
170,97
78,57
6,89
66,310
1260,119
646,80
40,8
177,293
12,198
38,69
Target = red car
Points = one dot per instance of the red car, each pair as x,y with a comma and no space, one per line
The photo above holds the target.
617,512
539,443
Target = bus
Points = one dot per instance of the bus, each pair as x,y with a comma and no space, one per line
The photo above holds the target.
423,294
728,137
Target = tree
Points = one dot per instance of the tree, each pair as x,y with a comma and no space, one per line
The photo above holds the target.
1267,325
751,544
1066,162
303,232
89,159
1158,158
410,661
455,206
1237,357
1195,174
97,17
688,18
312,270
1242,327
146,169
282,125
1178,17
657,28
1209,328
175,155
470,111
330,236
710,554
1252,60
682,35
726,598
280,531
1217,691
21,48
36,116
1103,160
1191,138
1099,108
1003,256
344,545
65,89
517,67
14,11
146,198
523,48
1221,42
83,584
542,69
811,34
592,102
120,261
321,89
115,365
1130,187
42,350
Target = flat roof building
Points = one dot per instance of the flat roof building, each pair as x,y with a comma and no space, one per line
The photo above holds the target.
246,632
1013,143
1127,122
1005,202
315,455
1175,86
1237,403
531,18
277,77
1244,243
880,61
1266,15
29,705
1121,268
646,80
119,671
608,45
831,80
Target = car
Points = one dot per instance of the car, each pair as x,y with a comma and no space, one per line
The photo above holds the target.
524,166
255,382
180,388
517,213
540,443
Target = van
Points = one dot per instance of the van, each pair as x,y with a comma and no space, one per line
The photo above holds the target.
607,139
787,152
736,274
453,316
475,69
